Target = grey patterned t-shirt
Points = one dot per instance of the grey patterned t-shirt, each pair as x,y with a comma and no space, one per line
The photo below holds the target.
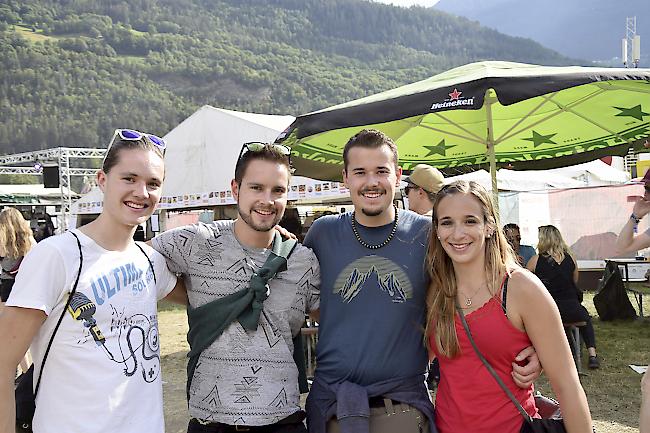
244,377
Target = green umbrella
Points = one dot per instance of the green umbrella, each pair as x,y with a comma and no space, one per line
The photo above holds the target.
487,114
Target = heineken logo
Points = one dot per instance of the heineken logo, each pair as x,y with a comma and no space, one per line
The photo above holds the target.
455,100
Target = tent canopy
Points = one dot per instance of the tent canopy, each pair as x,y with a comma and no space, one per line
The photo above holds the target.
203,149
32,194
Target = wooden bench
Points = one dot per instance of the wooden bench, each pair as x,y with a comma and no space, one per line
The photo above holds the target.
573,332
638,290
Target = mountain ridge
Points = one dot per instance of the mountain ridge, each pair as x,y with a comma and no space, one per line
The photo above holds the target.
591,30
74,71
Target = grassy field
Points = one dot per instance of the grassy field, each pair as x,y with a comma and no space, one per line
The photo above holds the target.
613,390
31,36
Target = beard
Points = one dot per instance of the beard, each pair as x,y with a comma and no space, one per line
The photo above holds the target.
260,227
372,212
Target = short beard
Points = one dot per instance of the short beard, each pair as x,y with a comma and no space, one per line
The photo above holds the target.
372,213
248,219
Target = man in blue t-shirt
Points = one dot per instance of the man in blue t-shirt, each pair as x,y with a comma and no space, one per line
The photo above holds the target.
373,306
524,252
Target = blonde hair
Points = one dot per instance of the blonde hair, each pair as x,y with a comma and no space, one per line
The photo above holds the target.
442,292
552,244
16,237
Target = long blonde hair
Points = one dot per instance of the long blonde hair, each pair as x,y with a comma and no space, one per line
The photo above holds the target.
16,237
552,244
442,292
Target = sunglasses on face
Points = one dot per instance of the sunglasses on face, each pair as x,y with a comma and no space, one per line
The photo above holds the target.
256,146
408,189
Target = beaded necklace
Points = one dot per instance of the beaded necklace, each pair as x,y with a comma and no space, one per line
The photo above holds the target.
366,244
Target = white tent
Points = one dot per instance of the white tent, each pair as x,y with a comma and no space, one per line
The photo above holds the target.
34,193
202,152
594,173
89,203
510,180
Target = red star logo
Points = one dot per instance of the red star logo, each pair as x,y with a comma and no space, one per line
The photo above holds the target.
455,95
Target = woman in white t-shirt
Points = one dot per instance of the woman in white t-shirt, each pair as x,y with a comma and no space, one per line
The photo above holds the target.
102,372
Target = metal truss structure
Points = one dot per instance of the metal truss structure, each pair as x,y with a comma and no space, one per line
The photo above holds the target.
60,156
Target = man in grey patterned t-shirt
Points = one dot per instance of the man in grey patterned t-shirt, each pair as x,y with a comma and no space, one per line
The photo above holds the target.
246,379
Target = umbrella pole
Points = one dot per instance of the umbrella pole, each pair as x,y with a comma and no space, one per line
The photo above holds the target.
490,98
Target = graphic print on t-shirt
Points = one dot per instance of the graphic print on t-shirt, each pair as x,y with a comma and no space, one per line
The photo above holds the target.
381,272
135,346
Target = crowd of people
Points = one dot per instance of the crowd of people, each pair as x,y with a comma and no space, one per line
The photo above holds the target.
391,289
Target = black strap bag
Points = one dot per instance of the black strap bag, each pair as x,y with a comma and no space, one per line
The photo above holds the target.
530,424
611,301
24,391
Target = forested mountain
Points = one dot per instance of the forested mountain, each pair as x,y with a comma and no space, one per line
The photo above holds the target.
73,70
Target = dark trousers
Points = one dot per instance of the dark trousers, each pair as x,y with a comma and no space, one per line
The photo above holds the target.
216,427
573,311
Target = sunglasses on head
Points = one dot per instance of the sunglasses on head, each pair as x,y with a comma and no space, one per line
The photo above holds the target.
257,146
133,135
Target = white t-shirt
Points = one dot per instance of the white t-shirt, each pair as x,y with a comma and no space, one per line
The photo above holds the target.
103,372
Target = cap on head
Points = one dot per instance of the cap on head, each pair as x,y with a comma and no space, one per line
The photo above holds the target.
426,177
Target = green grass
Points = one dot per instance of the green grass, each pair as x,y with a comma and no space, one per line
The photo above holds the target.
31,36
613,390
164,305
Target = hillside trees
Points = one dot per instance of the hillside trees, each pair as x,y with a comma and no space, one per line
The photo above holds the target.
75,70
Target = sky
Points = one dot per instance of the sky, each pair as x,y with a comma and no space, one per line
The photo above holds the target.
408,3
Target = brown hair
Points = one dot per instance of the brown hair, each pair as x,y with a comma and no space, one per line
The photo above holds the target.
268,153
112,157
16,236
442,292
369,138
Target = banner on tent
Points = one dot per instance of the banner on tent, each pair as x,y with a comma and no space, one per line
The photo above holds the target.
300,188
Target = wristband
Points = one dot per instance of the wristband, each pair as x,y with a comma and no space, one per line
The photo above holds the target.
635,218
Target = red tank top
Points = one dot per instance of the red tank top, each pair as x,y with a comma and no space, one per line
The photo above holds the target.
468,397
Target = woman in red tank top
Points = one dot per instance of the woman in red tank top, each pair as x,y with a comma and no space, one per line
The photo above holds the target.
507,309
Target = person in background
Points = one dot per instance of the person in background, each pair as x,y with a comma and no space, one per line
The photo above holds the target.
103,370
423,184
513,236
556,267
16,239
291,223
627,241
474,274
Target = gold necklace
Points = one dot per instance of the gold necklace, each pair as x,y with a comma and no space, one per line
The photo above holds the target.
468,302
